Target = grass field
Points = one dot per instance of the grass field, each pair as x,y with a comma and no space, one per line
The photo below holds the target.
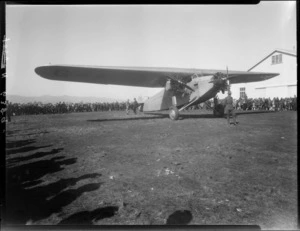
110,168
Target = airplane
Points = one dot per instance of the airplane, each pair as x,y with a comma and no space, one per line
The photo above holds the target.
181,87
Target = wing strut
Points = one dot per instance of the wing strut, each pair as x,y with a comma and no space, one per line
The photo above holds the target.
190,103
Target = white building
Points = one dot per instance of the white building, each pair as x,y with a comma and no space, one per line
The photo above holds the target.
279,61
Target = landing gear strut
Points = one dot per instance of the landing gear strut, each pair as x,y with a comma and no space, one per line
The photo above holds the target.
174,113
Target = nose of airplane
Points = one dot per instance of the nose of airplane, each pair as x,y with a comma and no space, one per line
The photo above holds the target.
219,80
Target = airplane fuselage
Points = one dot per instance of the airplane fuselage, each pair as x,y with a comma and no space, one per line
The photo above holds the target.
202,87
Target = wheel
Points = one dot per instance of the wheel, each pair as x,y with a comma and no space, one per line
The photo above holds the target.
219,110
174,113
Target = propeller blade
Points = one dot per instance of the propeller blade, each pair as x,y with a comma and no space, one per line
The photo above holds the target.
182,83
227,71
227,80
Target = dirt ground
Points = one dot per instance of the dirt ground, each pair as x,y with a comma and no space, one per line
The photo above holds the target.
108,168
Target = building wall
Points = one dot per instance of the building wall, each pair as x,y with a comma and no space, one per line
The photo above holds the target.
283,85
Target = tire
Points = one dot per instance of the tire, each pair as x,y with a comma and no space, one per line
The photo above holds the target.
174,113
219,110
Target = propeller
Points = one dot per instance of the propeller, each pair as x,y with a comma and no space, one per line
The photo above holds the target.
177,84
228,81
227,71
221,81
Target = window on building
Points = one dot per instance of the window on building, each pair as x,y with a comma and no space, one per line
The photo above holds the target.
242,92
280,58
276,59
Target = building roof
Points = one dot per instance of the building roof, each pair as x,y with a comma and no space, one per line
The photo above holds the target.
288,52
282,51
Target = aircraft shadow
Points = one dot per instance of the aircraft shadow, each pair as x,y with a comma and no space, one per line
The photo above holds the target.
183,116
87,217
157,116
131,118
195,115
253,112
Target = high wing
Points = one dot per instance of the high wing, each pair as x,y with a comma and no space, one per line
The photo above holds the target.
138,76
248,77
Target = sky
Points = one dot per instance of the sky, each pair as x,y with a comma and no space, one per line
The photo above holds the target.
187,36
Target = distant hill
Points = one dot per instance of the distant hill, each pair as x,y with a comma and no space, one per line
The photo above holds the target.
56,99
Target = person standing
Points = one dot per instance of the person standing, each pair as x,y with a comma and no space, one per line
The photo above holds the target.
135,105
127,106
229,109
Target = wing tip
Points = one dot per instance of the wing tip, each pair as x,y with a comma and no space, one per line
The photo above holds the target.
43,71
37,70
271,75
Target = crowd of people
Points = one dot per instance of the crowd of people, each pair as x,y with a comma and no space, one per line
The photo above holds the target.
36,108
275,104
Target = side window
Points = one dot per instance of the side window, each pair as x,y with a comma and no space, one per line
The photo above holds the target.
280,58
242,92
273,59
276,59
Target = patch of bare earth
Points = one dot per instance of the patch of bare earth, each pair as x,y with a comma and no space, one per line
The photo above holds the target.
110,168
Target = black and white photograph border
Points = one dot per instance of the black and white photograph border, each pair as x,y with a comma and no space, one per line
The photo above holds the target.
151,115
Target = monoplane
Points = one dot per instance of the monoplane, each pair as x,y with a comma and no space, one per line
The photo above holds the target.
181,87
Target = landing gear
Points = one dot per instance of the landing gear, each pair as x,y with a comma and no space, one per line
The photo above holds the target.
174,113
219,110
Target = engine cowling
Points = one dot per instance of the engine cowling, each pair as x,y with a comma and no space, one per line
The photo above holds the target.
219,80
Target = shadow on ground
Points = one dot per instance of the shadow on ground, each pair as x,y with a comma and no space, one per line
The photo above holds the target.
17,133
182,116
88,217
180,217
192,114
25,204
19,143
35,170
157,116
25,149
35,133
131,118
12,132
36,155
253,112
